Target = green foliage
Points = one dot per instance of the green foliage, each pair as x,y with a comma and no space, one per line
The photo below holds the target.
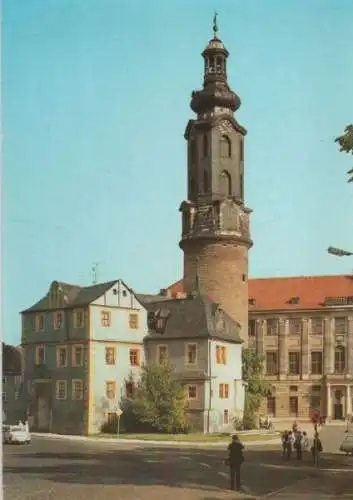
159,401
257,387
345,142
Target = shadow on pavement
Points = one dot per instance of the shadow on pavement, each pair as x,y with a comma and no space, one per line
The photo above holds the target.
262,472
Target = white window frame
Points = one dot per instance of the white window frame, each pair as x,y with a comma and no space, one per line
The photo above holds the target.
136,315
103,313
158,347
76,312
73,354
57,390
138,356
41,346
73,393
55,320
36,322
187,354
115,389
58,349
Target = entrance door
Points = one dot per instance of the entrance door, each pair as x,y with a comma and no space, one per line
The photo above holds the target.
338,411
43,414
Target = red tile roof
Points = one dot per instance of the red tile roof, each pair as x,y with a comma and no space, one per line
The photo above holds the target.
271,294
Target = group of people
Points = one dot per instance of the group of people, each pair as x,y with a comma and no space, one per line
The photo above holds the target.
299,441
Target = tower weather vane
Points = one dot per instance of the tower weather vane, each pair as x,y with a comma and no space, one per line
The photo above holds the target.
215,25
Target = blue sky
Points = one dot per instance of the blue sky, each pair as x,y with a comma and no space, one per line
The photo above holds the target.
95,102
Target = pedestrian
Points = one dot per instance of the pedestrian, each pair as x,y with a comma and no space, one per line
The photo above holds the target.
305,443
294,427
316,449
289,445
298,445
284,442
234,461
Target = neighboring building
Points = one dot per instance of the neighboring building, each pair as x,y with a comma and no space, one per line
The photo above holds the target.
203,344
12,384
80,345
215,220
304,328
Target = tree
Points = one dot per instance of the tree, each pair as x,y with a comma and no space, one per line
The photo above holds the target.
159,400
345,142
257,387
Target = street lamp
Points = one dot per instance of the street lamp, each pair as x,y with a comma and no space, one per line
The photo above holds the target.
338,252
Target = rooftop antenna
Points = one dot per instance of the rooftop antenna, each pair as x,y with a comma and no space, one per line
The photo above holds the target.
94,273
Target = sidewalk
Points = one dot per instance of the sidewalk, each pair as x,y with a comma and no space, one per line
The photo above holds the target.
204,444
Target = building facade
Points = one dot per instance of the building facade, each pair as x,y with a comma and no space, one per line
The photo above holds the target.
215,220
80,345
303,326
13,408
203,344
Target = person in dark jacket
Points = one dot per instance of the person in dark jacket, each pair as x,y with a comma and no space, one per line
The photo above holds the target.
235,459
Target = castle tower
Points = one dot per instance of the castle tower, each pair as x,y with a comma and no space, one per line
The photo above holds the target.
215,221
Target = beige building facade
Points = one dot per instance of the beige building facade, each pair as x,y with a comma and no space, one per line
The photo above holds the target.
303,327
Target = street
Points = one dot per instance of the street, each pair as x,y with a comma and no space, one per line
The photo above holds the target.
64,469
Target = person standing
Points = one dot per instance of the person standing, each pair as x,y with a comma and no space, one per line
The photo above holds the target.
298,445
235,460
306,444
316,448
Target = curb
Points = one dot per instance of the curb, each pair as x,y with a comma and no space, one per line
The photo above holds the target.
146,442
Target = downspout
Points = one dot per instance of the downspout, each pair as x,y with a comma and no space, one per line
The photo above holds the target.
210,387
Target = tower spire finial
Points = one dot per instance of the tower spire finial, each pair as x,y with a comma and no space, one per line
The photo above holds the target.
215,25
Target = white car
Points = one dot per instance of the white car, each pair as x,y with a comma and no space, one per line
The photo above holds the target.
347,444
16,434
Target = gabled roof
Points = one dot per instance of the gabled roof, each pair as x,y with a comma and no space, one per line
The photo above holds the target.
274,294
77,296
192,317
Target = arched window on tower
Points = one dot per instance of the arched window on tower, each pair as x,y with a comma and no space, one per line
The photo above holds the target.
205,181
192,188
225,147
340,359
193,151
241,150
205,145
225,183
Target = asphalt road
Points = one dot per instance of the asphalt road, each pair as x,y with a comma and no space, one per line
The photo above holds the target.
63,469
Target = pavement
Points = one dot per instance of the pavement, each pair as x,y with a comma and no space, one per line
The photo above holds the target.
67,469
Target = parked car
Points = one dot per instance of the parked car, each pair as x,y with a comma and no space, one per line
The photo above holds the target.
347,444
16,434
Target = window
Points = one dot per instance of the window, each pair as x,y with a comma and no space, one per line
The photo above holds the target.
129,389
241,150
134,357
340,326
77,389
205,145
316,326
225,147
293,388
133,321
293,406
205,181
110,389
58,320
39,322
225,183
271,363
4,397
252,328
78,319
105,319
162,353
191,354
61,356
110,355
40,355
225,417
221,355
18,379
316,363
61,389
192,392
316,388
4,380
272,326
193,151
295,326
223,391
271,406
315,397
17,395
294,363
340,359
77,355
